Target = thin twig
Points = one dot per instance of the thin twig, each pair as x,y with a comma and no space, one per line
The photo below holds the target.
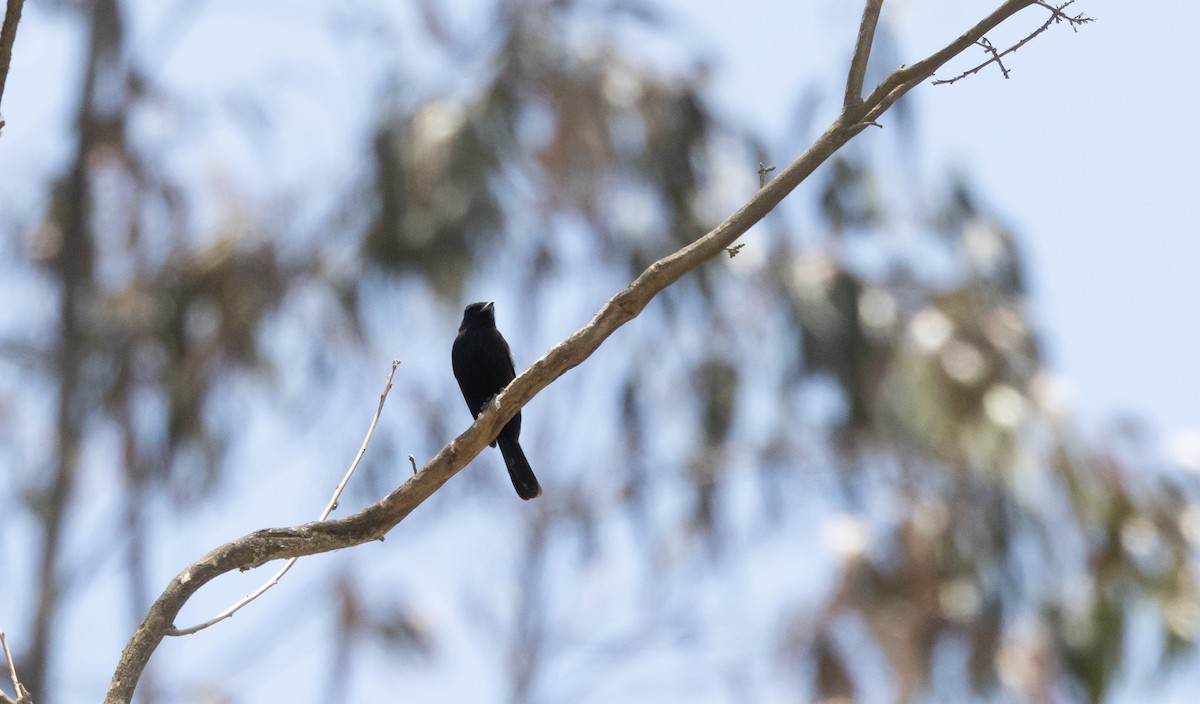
374,521
906,78
862,52
329,508
1060,16
990,48
23,696
1056,15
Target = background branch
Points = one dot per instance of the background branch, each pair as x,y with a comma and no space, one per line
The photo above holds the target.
373,522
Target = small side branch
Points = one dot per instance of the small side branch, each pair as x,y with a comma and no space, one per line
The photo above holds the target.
23,696
990,48
763,170
329,508
1056,16
906,78
862,52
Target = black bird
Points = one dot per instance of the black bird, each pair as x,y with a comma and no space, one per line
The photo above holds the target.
483,365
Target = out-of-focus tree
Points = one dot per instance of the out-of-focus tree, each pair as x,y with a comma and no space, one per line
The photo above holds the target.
829,465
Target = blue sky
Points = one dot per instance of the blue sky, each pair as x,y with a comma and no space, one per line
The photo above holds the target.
1086,151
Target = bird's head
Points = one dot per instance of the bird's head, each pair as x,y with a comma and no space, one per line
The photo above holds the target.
481,312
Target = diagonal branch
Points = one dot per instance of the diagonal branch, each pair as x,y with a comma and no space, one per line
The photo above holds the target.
862,52
906,78
375,521
1056,15
8,35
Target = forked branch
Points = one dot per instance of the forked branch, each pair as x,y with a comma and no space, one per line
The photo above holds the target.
329,508
373,522
996,57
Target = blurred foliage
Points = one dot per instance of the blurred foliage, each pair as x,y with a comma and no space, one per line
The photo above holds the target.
590,126
433,192
964,512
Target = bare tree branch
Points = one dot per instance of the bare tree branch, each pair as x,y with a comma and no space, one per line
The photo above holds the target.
905,78
8,35
862,52
329,508
374,522
1056,15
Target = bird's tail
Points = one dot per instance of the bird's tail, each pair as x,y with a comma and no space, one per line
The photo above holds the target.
519,470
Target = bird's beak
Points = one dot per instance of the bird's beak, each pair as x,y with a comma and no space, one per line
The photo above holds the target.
490,305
